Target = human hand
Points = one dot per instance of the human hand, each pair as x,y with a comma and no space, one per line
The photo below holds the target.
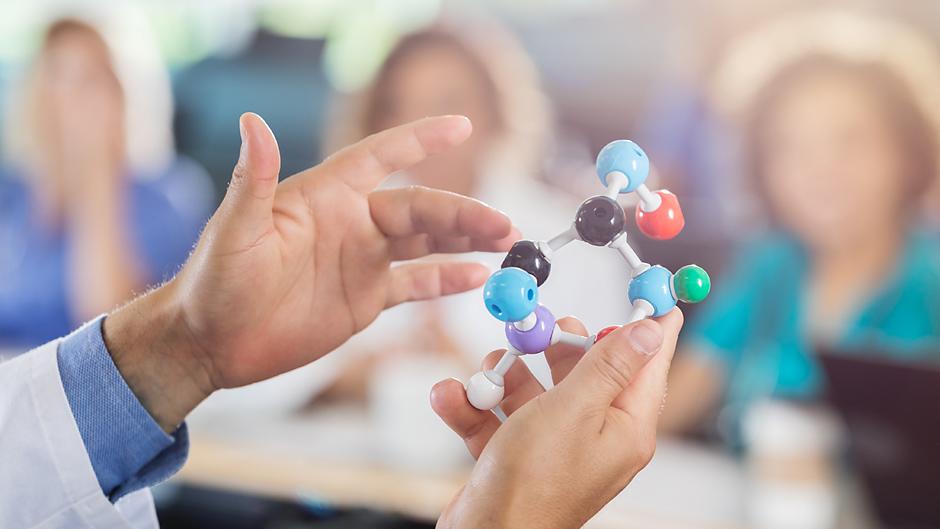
562,454
285,273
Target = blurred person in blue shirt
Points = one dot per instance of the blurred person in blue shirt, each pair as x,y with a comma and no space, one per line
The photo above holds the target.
94,204
841,141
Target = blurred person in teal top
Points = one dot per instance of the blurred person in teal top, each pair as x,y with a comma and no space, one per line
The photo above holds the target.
94,203
842,149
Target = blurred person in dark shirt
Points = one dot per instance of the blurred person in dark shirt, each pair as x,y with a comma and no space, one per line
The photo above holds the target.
94,204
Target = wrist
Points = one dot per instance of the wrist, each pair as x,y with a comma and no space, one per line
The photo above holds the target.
154,351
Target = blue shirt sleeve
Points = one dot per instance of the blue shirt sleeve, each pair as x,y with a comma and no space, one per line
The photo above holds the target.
127,448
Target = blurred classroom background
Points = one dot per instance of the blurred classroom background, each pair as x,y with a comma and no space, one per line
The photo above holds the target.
800,136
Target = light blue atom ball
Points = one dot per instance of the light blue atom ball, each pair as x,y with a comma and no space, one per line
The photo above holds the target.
626,157
653,287
510,294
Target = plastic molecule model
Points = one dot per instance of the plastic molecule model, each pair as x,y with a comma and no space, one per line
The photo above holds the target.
511,294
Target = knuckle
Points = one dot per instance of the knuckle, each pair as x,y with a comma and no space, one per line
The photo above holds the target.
613,367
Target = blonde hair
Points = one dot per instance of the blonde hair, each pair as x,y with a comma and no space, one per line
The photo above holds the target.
755,58
896,63
140,73
522,112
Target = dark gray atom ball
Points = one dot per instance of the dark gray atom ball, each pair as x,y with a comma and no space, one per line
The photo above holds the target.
599,221
527,256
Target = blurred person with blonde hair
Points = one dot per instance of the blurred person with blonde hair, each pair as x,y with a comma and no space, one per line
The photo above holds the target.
840,126
94,203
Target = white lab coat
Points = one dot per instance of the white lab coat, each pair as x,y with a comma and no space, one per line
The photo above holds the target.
46,477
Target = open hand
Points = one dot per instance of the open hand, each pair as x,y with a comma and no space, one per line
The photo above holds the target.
286,272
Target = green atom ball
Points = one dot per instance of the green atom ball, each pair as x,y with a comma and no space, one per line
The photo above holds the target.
691,283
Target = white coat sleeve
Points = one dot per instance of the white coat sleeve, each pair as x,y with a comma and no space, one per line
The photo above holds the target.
46,477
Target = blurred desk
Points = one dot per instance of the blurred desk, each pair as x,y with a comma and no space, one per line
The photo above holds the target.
327,456
330,456
282,475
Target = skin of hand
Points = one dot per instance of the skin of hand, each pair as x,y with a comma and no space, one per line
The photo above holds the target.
286,272
563,454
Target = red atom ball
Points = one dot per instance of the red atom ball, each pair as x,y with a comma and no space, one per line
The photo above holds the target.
604,332
665,222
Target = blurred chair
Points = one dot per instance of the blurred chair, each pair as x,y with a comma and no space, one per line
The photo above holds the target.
276,77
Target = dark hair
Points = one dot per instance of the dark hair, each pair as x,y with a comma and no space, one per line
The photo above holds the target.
64,26
415,42
912,128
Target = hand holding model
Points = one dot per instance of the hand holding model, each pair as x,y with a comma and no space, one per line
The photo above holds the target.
286,272
562,454
597,428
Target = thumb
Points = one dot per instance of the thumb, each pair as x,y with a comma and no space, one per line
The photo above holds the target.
609,367
249,199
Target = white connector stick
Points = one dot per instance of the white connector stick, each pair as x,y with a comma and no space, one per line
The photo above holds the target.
569,338
615,182
563,238
649,201
506,361
641,309
485,389
633,260
526,324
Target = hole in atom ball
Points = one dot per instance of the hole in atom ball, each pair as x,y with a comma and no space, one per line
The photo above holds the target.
496,308
600,212
530,294
638,152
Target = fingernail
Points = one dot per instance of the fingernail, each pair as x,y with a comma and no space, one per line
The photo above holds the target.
243,153
646,337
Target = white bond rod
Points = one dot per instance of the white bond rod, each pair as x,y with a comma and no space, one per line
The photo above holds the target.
575,340
641,309
527,323
629,255
649,201
615,182
506,361
563,238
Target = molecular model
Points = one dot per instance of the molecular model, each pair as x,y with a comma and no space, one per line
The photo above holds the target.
511,294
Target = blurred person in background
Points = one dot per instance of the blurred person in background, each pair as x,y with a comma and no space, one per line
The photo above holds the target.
841,142
94,204
479,71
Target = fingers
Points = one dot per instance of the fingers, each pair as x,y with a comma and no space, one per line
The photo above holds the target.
423,244
365,164
643,399
250,195
562,357
418,281
475,427
608,368
418,209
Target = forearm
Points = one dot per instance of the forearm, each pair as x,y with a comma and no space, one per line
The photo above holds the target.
103,267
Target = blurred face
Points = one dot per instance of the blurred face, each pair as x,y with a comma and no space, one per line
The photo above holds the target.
80,101
834,171
439,80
